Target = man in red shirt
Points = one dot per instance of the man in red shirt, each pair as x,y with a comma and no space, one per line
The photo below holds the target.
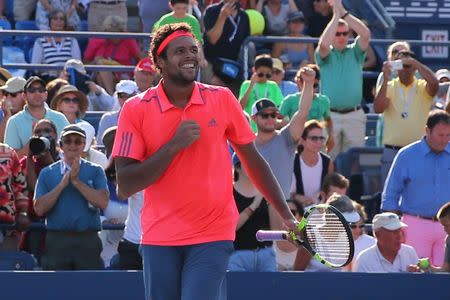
172,141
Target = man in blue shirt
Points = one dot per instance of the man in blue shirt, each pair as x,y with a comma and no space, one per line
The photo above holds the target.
418,184
70,193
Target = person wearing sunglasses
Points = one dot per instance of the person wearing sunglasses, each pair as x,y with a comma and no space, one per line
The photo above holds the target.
70,194
71,102
20,126
342,78
260,86
405,102
13,101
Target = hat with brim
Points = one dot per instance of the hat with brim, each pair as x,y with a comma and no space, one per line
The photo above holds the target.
14,85
4,76
72,129
277,64
262,105
387,220
32,80
296,16
443,73
70,89
345,206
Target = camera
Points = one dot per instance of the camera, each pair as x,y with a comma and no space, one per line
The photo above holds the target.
39,145
396,65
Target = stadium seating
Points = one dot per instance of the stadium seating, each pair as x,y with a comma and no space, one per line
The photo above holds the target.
93,117
16,261
26,42
7,40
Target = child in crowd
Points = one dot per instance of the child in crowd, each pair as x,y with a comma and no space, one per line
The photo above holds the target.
443,216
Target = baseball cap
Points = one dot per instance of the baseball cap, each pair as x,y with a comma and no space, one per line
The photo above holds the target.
442,73
4,76
14,85
73,129
89,132
76,64
277,64
261,105
127,86
32,80
345,206
297,15
387,220
146,65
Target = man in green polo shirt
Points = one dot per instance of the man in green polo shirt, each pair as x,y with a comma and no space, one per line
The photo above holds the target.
341,66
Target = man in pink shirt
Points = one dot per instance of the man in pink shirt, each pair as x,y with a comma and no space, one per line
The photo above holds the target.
172,143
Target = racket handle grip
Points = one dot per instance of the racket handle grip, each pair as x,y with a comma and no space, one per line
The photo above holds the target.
271,235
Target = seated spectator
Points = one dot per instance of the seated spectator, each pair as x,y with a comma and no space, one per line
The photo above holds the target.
89,152
310,165
55,50
299,54
100,10
125,89
145,74
388,255
13,101
226,27
113,51
71,102
276,15
75,73
70,193
19,127
443,216
13,199
320,109
53,87
287,87
260,86
45,7
440,100
334,183
108,140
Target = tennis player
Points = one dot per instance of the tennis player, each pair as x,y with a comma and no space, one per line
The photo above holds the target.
172,142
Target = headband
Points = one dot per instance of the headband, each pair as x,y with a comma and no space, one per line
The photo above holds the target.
171,37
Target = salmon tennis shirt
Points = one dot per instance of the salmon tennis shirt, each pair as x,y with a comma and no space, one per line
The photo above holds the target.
192,202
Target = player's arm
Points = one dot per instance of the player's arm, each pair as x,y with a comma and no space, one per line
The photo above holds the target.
134,176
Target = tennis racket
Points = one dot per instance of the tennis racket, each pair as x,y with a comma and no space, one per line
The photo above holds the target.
324,233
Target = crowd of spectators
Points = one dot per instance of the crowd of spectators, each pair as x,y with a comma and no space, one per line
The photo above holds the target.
56,167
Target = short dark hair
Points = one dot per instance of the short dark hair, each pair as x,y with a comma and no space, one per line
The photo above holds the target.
437,116
334,179
263,60
173,2
444,211
160,35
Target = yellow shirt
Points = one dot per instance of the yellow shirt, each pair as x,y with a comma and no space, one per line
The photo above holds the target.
400,128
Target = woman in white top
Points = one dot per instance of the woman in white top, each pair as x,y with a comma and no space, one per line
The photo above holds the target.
311,161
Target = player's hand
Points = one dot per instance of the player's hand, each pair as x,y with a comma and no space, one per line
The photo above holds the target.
291,225
187,133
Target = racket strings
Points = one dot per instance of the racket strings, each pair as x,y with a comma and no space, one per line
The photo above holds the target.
328,237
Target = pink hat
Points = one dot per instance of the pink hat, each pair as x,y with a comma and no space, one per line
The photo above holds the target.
146,65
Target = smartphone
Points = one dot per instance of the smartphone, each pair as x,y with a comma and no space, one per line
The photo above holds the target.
79,80
396,65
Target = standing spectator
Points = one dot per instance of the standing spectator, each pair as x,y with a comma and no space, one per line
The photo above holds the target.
260,86
71,102
125,89
287,87
13,101
55,50
320,107
112,51
276,15
13,199
70,193
418,185
145,74
226,27
341,68
388,255
23,9
321,16
405,102
19,127
392,51
45,7
100,10
310,165
150,12
299,54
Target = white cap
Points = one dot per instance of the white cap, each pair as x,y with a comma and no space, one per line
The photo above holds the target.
442,73
387,220
127,86
90,133
345,206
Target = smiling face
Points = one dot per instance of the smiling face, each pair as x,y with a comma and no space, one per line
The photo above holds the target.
72,145
58,22
314,140
181,62
266,120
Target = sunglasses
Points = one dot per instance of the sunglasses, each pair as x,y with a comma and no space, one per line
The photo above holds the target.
12,94
36,90
316,138
343,33
353,226
266,115
69,100
43,131
77,141
261,75
123,95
